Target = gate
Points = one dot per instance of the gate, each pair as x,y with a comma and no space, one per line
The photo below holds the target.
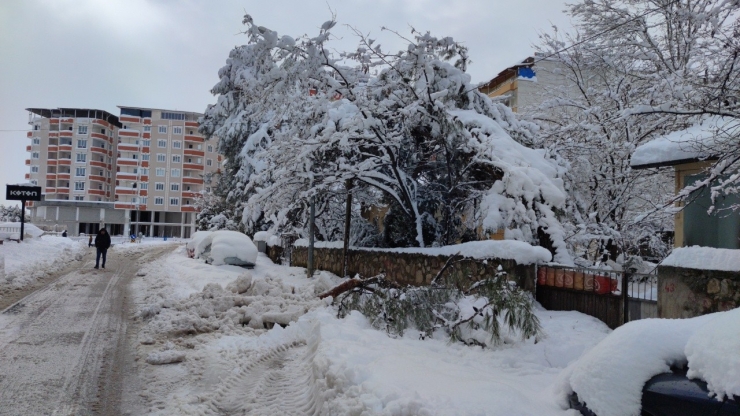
603,294
288,240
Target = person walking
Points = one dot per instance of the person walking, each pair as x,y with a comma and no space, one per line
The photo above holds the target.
102,243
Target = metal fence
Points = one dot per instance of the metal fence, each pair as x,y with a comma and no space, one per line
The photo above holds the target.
611,296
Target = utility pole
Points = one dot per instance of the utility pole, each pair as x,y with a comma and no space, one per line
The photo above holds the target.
311,227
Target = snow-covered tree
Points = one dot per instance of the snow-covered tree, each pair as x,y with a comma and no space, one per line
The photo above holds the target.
637,69
406,129
10,213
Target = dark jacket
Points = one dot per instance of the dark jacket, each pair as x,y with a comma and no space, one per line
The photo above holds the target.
102,241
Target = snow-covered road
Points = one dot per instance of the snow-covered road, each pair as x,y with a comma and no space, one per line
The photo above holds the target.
62,347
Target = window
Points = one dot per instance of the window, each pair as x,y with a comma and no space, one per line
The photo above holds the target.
81,129
161,143
35,155
133,200
144,171
34,182
144,185
177,130
209,162
200,147
36,127
159,201
79,186
210,148
163,129
161,157
146,143
81,158
143,200
160,172
147,128
79,198
177,145
172,116
80,171
176,158
159,186
34,169
145,157
36,140
200,160
174,187
174,201
175,173
82,144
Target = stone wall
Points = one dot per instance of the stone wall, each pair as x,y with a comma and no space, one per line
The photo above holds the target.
685,293
275,253
410,268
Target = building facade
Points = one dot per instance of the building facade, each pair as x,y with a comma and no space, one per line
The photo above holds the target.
148,165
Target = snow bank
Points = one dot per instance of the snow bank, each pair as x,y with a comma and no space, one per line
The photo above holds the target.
13,230
610,377
692,143
218,246
704,258
519,251
714,354
35,258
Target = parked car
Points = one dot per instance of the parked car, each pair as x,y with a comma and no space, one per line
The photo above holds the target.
674,394
223,247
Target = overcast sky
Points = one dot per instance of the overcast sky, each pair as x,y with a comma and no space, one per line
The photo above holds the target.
166,53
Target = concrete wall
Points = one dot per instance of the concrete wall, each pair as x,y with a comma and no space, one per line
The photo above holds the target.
410,268
685,293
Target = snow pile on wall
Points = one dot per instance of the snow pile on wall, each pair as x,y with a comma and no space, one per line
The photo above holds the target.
35,258
13,230
519,251
610,377
704,258
692,143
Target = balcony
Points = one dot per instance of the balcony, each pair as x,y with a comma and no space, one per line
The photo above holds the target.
28,176
51,176
53,148
102,123
192,166
128,147
125,191
193,181
188,208
97,178
190,194
28,162
67,120
145,149
122,161
98,164
64,176
53,121
51,190
28,148
65,162
195,139
29,134
51,162
193,152
148,121
65,147
99,150
62,190
96,192
126,175
100,136
193,124
128,133
129,119
65,133
53,134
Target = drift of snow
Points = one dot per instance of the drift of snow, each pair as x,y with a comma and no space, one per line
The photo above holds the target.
13,230
35,258
714,354
519,251
218,246
610,377
695,142
704,258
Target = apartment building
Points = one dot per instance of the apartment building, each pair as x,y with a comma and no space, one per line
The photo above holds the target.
137,172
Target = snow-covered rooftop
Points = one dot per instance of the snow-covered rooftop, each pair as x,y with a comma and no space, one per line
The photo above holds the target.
694,143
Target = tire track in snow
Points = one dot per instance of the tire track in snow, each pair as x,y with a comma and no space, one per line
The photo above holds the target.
279,382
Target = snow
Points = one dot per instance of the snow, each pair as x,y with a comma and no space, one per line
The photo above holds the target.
518,251
218,246
713,353
704,258
195,241
692,143
609,378
13,230
262,236
34,258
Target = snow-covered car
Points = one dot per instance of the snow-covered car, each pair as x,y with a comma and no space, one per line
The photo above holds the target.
661,367
195,240
224,247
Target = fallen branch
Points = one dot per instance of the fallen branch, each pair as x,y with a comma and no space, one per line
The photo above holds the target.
357,282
